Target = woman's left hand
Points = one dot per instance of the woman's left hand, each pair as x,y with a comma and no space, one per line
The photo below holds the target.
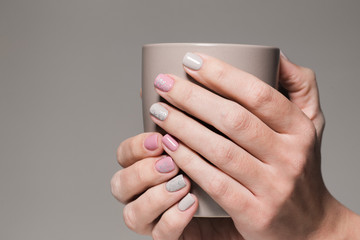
266,173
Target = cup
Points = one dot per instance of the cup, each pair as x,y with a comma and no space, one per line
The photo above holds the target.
261,61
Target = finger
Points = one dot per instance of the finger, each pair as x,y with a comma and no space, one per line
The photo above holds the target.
131,181
140,214
231,195
139,147
220,151
228,117
302,89
173,222
265,102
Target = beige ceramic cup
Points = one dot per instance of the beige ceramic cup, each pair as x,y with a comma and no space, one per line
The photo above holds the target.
261,61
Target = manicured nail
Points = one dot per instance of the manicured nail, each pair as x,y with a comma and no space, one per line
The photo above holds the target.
164,82
192,61
176,183
151,142
165,165
186,202
170,142
158,111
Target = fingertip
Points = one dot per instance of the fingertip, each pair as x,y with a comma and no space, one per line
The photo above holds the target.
166,165
187,181
152,141
282,54
188,203
170,143
192,61
288,70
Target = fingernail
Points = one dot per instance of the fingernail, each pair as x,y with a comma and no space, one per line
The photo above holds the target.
282,54
158,111
176,183
163,82
186,202
192,61
170,142
151,142
165,165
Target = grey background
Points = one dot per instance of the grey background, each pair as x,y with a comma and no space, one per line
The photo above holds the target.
69,94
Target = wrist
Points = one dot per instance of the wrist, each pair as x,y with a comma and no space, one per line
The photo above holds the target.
338,222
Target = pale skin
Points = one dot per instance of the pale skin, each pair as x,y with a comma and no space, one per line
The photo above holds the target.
266,175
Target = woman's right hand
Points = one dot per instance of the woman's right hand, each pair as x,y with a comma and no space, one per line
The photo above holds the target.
151,190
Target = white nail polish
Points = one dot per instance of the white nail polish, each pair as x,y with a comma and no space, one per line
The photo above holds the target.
186,202
192,61
158,111
176,183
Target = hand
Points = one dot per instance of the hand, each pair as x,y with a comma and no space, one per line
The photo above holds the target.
150,208
266,175
151,203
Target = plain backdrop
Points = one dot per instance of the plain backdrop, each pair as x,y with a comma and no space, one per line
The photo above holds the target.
70,74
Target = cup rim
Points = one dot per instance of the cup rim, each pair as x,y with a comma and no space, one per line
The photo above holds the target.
207,45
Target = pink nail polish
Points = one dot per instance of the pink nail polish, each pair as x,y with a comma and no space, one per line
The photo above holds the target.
163,82
165,165
151,142
170,142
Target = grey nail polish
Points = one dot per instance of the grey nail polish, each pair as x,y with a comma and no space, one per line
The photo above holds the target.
192,61
176,183
158,111
186,202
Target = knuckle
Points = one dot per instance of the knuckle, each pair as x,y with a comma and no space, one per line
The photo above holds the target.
218,188
156,234
293,161
167,225
172,224
259,131
264,223
116,186
239,204
307,80
264,218
309,73
236,120
297,157
130,150
260,95
140,173
224,152
126,152
284,190
130,218
306,140
298,165
119,155
220,72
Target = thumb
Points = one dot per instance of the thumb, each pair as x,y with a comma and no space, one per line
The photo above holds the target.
300,84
